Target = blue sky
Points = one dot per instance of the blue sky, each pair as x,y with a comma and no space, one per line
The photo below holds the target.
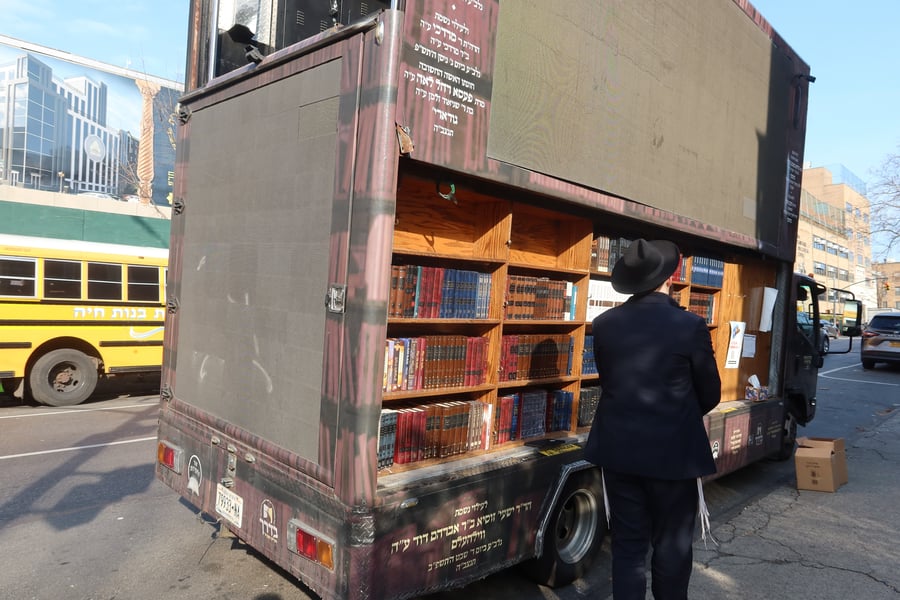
853,49
148,36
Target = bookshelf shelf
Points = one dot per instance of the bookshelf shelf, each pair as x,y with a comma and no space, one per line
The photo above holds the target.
568,274
695,286
541,382
426,322
530,262
449,259
543,323
443,392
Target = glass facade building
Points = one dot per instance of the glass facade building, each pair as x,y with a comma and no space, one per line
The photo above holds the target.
53,132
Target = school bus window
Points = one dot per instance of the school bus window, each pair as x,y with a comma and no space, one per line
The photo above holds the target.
62,279
104,281
143,284
17,277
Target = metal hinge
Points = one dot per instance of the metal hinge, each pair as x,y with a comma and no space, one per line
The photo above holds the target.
337,295
172,305
183,113
178,205
165,393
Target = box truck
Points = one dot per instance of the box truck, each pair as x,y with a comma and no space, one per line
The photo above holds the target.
389,239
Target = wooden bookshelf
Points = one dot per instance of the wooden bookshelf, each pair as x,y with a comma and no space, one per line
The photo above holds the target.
547,254
507,240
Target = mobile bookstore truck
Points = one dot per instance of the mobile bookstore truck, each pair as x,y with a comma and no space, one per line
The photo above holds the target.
389,239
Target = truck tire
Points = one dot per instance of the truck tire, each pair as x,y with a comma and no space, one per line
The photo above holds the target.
789,441
574,534
62,377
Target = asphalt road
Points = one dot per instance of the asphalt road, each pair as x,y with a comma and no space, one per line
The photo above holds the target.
83,517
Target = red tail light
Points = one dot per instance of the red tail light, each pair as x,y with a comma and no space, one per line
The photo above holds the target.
869,334
169,456
308,543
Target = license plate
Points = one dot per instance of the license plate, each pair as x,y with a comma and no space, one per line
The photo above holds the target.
229,505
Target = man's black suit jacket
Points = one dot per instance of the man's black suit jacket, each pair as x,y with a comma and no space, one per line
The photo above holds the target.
659,377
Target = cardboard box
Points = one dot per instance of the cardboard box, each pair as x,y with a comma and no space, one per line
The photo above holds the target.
821,464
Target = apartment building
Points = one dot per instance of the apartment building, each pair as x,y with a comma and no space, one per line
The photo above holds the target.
834,238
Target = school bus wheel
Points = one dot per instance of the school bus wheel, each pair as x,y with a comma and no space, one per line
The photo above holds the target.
63,377
575,532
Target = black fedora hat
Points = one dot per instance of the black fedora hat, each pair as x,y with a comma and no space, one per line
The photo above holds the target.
644,266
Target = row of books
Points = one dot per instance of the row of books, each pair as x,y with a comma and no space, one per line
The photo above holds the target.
438,430
701,270
588,400
702,304
602,297
535,356
531,298
605,251
588,359
417,432
708,271
438,293
434,361
681,273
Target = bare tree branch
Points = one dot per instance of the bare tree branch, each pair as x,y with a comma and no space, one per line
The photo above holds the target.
884,198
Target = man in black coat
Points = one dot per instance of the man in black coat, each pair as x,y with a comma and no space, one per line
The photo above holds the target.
659,378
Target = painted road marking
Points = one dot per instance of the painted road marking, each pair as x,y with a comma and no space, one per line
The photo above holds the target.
146,439
825,375
76,410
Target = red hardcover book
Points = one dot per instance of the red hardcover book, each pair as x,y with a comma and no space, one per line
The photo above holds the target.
481,365
505,419
444,437
401,447
400,297
437,285
421,349
418,446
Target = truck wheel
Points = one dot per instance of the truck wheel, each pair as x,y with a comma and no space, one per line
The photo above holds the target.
868,364
790,438
575,533
63,378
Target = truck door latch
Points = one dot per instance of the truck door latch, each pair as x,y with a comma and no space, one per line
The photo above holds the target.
336,297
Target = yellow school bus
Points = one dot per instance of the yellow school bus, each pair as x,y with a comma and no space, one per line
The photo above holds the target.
72,312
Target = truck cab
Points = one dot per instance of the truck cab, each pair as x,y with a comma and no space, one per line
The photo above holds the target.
807,346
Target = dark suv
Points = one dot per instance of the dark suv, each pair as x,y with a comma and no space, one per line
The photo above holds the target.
881,340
